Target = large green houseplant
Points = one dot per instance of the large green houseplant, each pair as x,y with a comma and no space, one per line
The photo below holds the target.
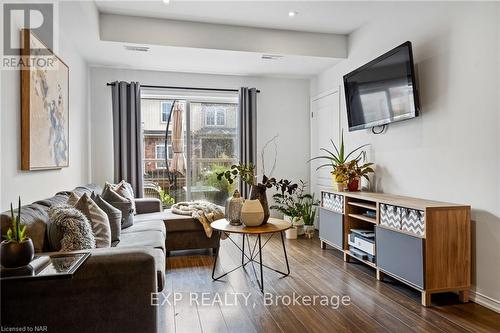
345,165
17,250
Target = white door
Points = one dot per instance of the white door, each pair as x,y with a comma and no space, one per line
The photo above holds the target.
325,125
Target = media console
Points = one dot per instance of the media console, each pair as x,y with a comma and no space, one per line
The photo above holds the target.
424,244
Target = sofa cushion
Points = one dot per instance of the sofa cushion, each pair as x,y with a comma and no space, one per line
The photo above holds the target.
151,238
173,222
58,199
147,225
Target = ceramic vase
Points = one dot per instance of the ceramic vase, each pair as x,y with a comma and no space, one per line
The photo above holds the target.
252,213
14,254
258,192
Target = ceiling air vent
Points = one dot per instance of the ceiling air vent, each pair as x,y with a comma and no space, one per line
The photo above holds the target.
271,57
136,48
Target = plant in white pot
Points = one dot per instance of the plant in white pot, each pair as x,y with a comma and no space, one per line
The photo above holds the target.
289,202
309,211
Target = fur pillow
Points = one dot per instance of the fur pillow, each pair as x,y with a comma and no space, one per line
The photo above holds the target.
71,227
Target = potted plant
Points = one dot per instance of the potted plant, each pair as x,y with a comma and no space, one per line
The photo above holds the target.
339,161
289,201
356,171
309,211
17,250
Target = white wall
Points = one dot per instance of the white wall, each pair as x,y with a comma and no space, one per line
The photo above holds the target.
451,152
283,108
35,185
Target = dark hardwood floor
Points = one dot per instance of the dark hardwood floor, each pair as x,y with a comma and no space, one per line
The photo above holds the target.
374,306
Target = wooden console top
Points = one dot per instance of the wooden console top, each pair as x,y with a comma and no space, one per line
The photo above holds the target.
398,200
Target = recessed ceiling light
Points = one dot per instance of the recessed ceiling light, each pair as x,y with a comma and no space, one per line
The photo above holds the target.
292,13
136,48
166,2
271,56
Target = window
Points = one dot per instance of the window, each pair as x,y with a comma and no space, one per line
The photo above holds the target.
215,116
209,141
160,155
165,111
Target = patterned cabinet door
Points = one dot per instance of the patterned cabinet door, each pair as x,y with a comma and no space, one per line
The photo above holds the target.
333,202
390,216
413,221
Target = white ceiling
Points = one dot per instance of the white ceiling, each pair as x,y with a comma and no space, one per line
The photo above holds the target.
313,16
81,19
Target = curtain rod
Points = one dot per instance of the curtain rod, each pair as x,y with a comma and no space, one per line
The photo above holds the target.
186,88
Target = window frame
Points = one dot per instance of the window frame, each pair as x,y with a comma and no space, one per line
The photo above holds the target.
168,153
215,124
161,111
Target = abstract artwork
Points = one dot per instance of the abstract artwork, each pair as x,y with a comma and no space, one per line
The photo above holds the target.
44,107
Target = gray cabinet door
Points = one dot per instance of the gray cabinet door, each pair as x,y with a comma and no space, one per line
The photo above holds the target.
331,227
401,255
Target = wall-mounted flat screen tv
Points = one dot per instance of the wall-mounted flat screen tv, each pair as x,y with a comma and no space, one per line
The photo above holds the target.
382,91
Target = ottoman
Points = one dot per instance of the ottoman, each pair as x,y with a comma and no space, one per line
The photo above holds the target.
183,232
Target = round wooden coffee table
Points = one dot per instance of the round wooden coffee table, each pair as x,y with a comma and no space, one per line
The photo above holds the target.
272,227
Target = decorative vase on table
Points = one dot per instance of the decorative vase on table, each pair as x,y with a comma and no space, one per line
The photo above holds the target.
258,192
233,208
252,213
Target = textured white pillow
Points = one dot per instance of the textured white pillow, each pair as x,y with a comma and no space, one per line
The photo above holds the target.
98,220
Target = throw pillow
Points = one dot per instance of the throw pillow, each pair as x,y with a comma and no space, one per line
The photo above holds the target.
69,229
125,190
98,220
73,199
119,202
114,217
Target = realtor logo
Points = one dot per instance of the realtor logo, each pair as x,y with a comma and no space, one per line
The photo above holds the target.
39,17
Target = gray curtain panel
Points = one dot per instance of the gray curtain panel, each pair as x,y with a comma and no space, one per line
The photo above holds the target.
127,134
248,131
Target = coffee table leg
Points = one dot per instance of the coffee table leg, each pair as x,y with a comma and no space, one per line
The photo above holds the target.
216,257
284,250
261,268
243,249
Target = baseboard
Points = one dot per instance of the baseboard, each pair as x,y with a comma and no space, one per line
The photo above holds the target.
485,301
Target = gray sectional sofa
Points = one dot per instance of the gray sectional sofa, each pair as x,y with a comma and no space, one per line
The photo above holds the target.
111,292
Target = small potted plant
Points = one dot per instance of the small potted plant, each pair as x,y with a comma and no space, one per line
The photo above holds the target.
17,250
309,211
356,171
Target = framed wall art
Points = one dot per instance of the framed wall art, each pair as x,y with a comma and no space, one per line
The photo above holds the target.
44,106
